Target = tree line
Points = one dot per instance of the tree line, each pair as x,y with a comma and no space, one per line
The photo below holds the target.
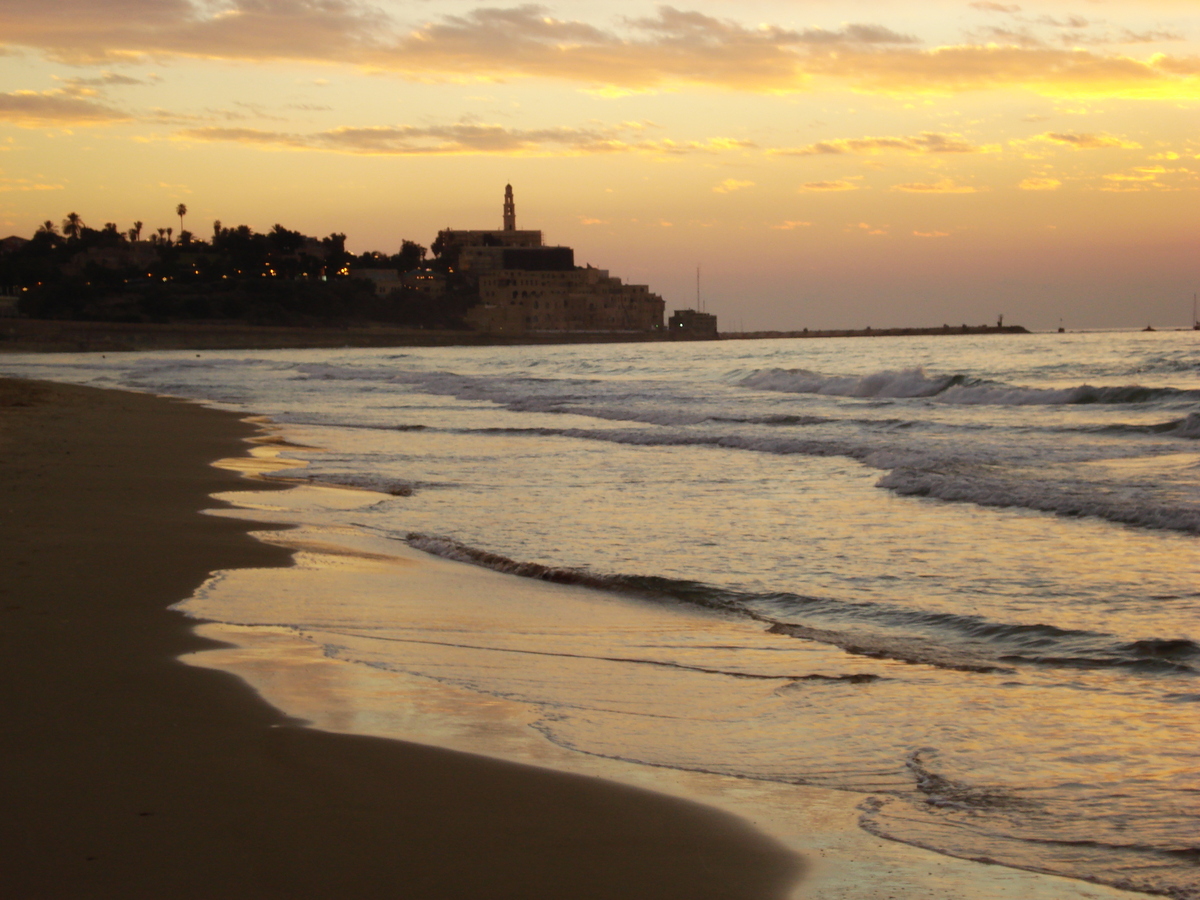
280,277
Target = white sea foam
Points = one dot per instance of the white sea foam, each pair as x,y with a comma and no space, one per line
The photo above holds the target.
903,383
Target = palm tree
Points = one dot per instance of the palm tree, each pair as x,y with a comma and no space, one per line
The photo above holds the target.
136,231
170,231
72,225
48,227
181,211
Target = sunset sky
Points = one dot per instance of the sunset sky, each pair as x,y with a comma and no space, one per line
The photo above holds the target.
866,162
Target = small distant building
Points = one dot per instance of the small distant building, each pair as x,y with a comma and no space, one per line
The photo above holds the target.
429,282
688,324
524,286
384,280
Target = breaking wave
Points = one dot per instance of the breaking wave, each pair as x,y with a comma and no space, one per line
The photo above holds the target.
959,389
967,643
978,485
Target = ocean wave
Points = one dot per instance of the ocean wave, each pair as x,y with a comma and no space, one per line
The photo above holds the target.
891,384
976,484
692,592
1187,427
924,472
966,643
781,419
1001,395
395,486
958,389
1152,655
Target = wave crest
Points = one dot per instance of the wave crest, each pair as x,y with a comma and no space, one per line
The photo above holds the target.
959,388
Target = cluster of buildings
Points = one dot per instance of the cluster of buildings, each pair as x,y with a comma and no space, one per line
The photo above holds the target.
507,281
525,286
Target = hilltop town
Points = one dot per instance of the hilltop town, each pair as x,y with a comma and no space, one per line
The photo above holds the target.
505,282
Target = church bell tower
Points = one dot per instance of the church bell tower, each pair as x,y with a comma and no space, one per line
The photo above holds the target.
510,210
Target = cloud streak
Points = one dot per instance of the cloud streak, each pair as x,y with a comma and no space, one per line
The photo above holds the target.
96,31
1040,184
33,108
828,186
945,186
1085,141
729,185
926,142
462,139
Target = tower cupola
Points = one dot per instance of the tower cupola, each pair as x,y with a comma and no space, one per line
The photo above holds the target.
510,209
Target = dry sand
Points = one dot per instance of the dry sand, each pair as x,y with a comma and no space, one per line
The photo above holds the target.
127,774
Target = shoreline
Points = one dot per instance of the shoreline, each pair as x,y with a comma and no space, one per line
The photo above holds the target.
132,774
296,673
63,336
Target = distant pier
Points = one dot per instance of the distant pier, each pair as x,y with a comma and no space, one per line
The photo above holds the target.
875,332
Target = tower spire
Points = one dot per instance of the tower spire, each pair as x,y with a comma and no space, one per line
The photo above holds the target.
510,209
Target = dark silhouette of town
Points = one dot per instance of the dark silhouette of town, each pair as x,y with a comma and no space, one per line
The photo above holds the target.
503,281
74,287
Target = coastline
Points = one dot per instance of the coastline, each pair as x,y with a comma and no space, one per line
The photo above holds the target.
64,336
132,774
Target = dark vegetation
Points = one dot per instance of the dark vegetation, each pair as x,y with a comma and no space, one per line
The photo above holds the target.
281,277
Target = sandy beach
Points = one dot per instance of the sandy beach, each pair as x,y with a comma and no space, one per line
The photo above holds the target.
130,774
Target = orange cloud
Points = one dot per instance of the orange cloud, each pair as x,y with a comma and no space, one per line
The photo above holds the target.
829,186
867,227
458,139
1141,178
1040,184
729,185
25,184
1088,141
791,225
945,186
92,31
34,109
926,142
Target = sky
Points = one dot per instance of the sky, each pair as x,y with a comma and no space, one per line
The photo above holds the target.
823,165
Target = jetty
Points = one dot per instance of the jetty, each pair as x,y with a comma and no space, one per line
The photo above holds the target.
875,332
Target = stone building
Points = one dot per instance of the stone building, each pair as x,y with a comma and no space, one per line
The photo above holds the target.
574,299
525,286
384,280
689,324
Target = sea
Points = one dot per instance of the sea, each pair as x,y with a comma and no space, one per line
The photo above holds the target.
957,577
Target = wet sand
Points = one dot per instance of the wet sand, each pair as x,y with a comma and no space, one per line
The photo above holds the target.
130,774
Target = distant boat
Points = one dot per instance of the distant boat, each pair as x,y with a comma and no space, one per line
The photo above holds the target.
1195,321
1148,328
